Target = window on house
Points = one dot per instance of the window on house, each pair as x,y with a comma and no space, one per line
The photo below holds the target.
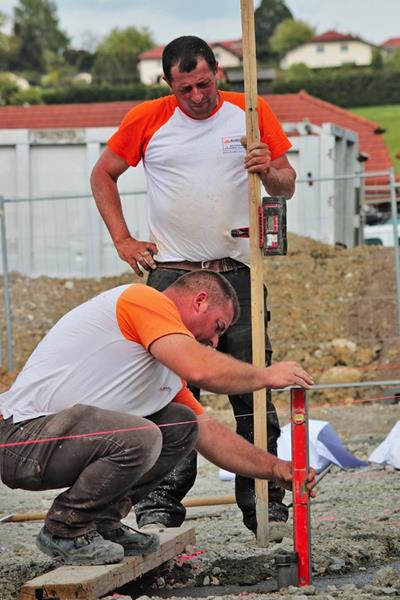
344,48
320,49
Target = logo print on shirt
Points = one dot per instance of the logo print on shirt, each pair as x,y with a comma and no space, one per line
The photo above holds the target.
165,388
231,145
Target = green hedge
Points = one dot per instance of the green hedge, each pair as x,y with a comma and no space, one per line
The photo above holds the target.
102,93
348,89
88,93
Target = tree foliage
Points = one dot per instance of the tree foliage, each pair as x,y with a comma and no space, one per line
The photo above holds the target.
117,55
289,34
393,62
267,17
377,60
39,36
298,71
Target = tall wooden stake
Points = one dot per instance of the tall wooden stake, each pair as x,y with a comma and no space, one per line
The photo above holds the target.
256,260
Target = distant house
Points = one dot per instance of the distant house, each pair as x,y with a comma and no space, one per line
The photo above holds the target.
391,45
330,49
150,65
228,53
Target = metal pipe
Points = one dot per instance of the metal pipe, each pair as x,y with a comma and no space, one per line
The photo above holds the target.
6,285
322,386
359,175
393,203
75,197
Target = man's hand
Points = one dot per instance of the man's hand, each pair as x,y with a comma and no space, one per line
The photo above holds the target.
287,373
258,157
283,475
139,255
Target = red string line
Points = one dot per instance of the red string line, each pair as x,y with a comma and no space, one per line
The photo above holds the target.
92,434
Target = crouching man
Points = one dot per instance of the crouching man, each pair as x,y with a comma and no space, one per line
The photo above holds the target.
102,408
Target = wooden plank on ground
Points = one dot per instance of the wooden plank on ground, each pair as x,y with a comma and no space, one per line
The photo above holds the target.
89,583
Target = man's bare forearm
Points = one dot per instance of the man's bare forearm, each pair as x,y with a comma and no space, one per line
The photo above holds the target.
279,182
108,202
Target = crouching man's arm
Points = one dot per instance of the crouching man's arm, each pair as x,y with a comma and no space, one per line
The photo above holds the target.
230,451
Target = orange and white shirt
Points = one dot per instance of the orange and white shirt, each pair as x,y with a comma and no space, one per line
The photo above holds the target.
98,354
196,181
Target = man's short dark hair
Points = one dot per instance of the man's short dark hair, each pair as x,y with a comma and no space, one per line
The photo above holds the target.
185,51
220,290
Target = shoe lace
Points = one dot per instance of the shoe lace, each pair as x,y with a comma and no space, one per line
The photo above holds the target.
86,539
124,527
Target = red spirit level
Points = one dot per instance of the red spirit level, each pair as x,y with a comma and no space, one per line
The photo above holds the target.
272,234
301,501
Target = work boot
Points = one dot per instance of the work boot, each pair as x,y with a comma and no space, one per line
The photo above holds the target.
135,543
88,549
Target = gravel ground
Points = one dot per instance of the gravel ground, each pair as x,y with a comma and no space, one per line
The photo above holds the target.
355,530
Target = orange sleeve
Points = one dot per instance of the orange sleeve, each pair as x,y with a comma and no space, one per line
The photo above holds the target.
271,131
185,396
138,127
145,314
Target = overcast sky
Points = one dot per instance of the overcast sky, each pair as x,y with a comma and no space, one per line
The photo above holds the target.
373,20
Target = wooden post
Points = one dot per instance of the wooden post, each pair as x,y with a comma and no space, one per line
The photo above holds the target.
256,260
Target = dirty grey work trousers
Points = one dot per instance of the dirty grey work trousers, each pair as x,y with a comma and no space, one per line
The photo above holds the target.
105,473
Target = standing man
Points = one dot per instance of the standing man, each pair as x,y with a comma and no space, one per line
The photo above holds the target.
196,170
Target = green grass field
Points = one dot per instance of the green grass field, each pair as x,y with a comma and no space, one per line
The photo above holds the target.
388,117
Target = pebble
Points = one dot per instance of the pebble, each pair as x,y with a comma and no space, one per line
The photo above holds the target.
309,590
386,577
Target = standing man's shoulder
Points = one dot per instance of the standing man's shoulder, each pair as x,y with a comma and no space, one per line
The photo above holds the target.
138,127
149,108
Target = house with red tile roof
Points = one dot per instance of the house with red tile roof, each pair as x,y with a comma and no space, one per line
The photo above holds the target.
229,53
391,45
330,49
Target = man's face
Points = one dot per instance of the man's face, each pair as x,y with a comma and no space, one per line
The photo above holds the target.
196,92
211,323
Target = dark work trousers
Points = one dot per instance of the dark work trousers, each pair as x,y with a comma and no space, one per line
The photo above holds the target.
105,473
163,504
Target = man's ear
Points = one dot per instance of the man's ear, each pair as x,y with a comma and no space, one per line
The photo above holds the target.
166,81
200,302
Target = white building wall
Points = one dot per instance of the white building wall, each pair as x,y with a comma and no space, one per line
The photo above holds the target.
150,71
225,58
53,226
329,54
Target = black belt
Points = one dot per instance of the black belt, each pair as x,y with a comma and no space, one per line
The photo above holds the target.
220,265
